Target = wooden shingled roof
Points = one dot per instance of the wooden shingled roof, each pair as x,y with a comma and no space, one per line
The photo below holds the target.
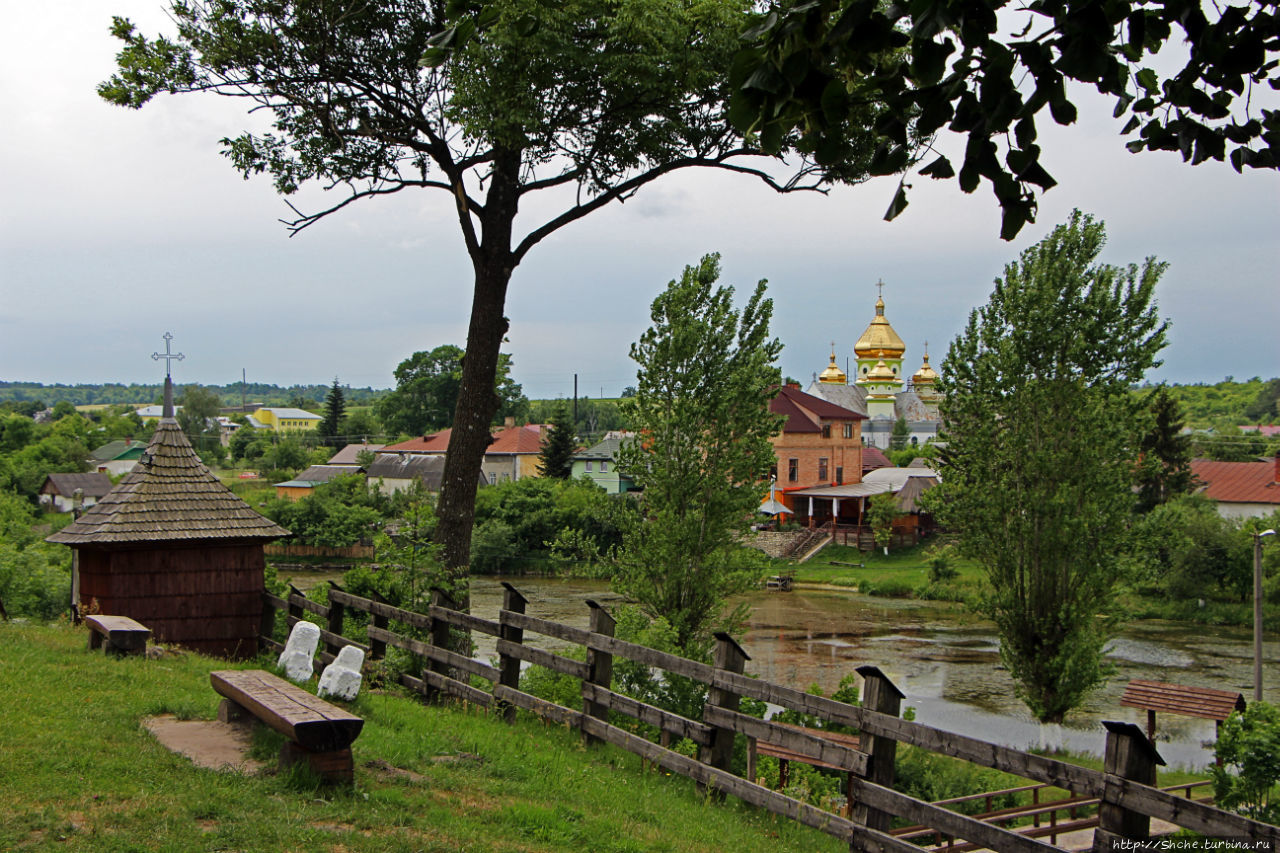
170,496
1203,702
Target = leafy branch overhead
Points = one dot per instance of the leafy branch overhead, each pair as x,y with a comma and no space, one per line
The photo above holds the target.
926,65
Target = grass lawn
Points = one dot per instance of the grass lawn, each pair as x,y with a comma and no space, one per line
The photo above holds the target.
81,774
902,566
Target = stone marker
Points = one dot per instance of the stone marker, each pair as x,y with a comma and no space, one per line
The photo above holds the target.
296,659
341,679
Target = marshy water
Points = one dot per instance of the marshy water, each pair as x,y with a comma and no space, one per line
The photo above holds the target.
945,661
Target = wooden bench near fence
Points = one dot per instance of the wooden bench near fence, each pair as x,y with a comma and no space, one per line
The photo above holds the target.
123,636
319,733
1124,790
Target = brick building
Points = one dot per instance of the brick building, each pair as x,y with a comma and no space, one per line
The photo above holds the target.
820,444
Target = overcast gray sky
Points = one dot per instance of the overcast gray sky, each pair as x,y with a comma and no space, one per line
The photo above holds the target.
117,226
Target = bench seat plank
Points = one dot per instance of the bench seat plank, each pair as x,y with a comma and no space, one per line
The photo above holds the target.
307,720
121,632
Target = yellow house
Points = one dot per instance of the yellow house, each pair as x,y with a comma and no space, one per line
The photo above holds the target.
284,420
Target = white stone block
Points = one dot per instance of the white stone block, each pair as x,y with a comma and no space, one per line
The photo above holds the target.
299,652
341,679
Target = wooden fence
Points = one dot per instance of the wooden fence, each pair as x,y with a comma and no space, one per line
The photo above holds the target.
1124,791
275,549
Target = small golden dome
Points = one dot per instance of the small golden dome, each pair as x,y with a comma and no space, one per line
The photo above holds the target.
833,375
881,372
879,337
926,375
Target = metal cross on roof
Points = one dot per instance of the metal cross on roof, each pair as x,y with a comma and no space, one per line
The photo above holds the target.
169,357
880,288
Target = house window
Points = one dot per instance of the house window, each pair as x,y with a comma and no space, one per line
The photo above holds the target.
822,468
826,430
793,470
493,479
604,467
588,466
839,474
848,430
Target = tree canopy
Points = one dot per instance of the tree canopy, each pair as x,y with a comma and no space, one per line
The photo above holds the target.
987,71
427,388
1042,441
335,407
580,103
706,375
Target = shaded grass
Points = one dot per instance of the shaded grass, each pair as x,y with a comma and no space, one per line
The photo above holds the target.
81,773
904,566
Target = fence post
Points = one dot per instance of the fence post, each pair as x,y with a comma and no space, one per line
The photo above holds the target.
267,624
378,648
336,614
729,657
508,665
295,610
878,694
439,630
1130,756
599,665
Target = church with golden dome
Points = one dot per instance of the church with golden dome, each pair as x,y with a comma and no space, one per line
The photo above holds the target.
880,389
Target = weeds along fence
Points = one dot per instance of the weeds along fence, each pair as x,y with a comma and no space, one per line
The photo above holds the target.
1124,791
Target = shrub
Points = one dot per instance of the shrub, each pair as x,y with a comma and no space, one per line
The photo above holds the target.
1249,748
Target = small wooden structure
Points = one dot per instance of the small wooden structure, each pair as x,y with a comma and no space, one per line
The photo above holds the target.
123,635
320,734
1203,702
843,748
175,549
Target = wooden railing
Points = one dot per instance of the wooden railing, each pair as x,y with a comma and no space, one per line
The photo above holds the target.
1123,792
275,549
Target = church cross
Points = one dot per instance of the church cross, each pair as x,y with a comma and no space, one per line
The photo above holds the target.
880,288
168,356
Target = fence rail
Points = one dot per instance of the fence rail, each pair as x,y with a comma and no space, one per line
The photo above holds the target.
1124,791
358,552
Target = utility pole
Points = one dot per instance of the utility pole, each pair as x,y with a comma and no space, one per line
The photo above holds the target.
1257,612
575,401
243,404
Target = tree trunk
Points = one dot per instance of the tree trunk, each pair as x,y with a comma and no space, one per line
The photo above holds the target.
478,400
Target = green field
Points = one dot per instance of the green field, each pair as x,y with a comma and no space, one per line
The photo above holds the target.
81,774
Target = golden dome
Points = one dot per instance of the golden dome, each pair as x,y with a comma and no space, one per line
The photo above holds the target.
881,372
833,375
926,375
879,337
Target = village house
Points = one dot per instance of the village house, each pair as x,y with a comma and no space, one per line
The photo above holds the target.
1239,489
598,463
117,457
513,454
304,484
67,492
399,472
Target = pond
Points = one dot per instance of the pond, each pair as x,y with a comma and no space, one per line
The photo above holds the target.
946,662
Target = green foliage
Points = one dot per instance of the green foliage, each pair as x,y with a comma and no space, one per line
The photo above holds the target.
197,416
36,450
901,434
335,407
882,509
35,578
941,559
240,442
1222,404
286,454
706,374
1164,462
343,512
889,77
539,524
930,776
556,459
1230,444
1265,408
1041,429
1248,747
1185,550
427,388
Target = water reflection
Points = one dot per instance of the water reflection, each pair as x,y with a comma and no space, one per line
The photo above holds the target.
947,663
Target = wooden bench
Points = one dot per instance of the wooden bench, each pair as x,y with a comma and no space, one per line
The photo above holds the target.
123,635
319,734
756,747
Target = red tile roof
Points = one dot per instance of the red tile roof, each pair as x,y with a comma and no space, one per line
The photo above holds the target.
873,458
805,412
1239,482
521,439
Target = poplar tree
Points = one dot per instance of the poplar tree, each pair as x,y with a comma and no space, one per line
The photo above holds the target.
703,458
1042,442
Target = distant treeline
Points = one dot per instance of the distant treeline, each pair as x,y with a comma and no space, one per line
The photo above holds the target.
1227,403
113,393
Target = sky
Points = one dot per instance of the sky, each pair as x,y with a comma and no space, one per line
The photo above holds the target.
117,226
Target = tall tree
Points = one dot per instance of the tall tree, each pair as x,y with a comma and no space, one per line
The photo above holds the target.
428,385
1041,444
335,406
580,103
1164,466
987,70
556,459
706,375
198,414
